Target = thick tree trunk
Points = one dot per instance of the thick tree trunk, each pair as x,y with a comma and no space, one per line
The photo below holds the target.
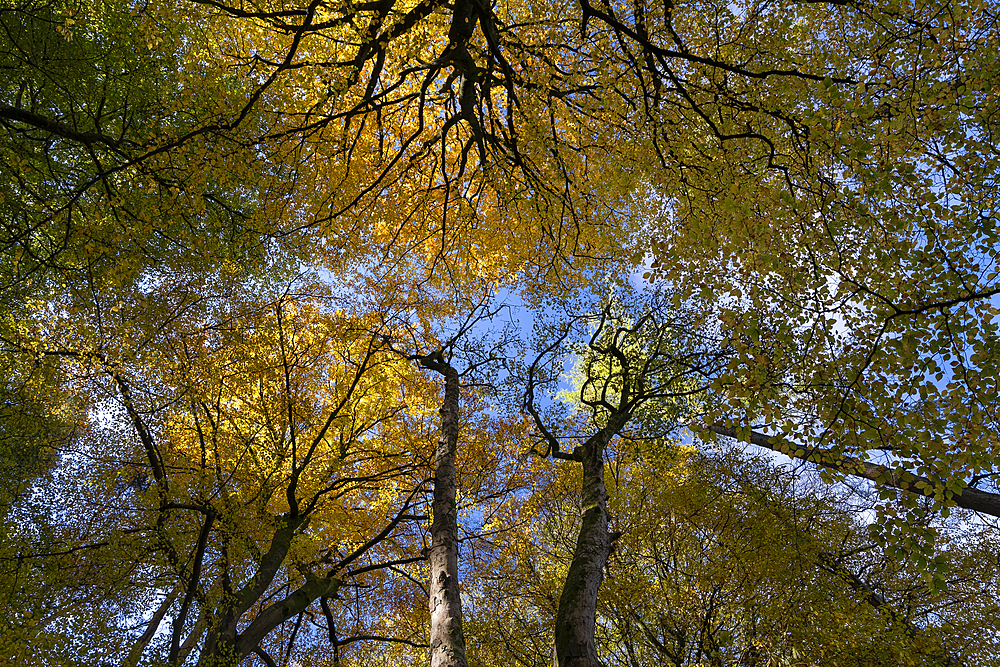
219,649
447,643
576,618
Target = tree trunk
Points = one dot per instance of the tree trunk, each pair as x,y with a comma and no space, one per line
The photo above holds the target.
135,653
219,648
576,618
447,643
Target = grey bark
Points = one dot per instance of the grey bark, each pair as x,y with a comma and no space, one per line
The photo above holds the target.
973,499
447,642
577,615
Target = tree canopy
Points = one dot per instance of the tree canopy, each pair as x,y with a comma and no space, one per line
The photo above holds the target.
451,332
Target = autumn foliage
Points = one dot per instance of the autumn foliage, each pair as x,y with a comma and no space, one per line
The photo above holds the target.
461,333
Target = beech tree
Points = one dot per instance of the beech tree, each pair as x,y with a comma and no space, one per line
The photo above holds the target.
855,275
811,183
626,366
253,479
726,560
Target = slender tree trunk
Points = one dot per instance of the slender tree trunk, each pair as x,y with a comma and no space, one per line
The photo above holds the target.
447,643
576,618
135,654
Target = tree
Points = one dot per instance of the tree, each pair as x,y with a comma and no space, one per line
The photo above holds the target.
626,367
447,643
446,637
856,293
723,560
814,180
114,154
255,478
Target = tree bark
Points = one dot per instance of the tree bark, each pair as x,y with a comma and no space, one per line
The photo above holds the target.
279,612
447,642
577,615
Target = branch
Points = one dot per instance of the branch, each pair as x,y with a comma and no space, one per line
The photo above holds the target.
662,54
389,564
972,499
391,526
175,640
56,128
109,367
282,610
269,564
529,401
135,653
377,638
194,635
836,567
264,657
